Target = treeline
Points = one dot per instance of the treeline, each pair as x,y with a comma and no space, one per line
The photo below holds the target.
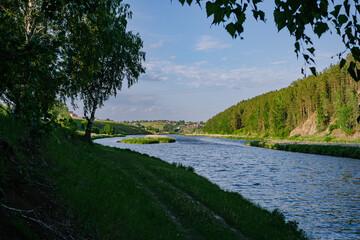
333,96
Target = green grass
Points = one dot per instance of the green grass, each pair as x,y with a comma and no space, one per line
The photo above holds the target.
330,150
93,137
128,195
148,140
158,125
297,137
121,194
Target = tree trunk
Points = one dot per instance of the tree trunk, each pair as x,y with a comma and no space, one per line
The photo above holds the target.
90,124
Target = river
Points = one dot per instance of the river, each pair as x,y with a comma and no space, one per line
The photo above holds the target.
322,193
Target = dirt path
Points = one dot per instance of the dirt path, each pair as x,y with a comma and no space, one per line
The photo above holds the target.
191,217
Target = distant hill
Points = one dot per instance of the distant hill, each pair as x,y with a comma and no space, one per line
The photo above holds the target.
326,104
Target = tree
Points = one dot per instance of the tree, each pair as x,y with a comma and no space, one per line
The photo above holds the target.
168,127
103,54
29,55
298,17
34,36
236,121
108,129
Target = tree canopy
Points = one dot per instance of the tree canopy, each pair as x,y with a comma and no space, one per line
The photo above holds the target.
52,50
102,53
299,17
330,100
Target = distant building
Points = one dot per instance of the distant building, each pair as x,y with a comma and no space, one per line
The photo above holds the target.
73,115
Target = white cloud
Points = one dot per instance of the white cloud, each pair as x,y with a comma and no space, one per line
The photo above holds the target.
207,43
157,45
202,74
173,57
278,62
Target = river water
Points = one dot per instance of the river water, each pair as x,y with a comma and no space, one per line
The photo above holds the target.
322,193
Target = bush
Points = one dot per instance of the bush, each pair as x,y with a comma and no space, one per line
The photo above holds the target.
83,124
68,123
108,129
95,129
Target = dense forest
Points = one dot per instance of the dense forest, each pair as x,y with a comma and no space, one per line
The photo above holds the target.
332,97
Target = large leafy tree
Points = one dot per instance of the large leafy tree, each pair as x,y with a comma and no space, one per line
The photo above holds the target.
101,55
29,49
300,18
34,34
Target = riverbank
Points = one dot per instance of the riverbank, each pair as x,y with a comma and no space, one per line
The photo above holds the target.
121,194
294,139
336,150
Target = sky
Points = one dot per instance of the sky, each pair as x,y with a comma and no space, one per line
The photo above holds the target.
195,70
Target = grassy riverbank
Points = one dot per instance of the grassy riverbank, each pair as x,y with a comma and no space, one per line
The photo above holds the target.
151,139
120,194
330,150
297,138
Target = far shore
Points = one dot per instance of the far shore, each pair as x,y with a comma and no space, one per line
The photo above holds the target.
341,142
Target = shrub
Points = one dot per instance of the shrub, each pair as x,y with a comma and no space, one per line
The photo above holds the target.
332,127
83,124
108,129
68,123
95,129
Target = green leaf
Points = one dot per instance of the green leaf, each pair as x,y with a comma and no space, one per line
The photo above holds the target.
355,51
210,8
231,29
313,71
342,19
351,71
342,63
280,19
336,11
311,50
320,28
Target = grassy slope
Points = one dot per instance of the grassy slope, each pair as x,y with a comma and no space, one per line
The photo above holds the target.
120,194
120,128
128,195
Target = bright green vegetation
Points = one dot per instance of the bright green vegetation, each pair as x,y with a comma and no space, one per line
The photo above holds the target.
120,194
331,150
149,140
106,136
332,99
119,128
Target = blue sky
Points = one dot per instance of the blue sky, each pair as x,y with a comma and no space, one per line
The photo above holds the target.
195,70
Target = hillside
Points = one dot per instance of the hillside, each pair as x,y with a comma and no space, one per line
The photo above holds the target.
120,128
323,105
62,187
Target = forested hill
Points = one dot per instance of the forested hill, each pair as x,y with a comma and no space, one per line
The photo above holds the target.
324,103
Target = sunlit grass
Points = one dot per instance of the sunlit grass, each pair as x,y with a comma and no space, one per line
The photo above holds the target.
331,150
148,140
